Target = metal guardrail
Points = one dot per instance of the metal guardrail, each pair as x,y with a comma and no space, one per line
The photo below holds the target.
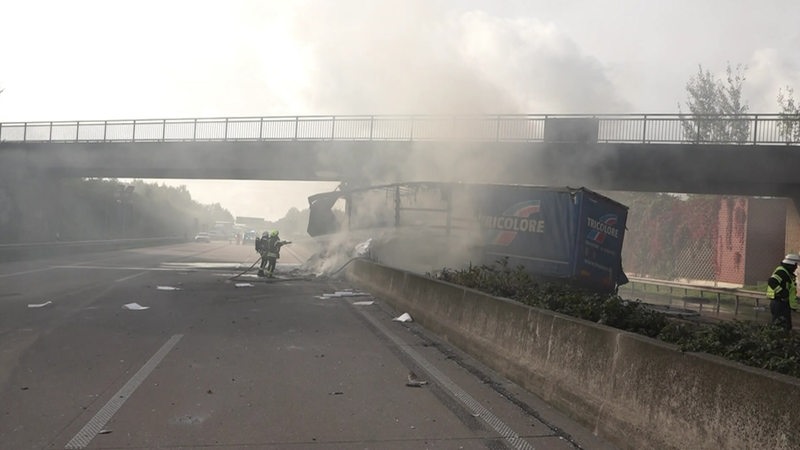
747,129
722,303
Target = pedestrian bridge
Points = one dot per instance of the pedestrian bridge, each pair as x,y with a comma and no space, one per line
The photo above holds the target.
753,154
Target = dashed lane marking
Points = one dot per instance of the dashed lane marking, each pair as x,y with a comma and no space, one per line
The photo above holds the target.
96,424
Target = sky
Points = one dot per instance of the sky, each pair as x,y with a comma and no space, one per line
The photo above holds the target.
90,60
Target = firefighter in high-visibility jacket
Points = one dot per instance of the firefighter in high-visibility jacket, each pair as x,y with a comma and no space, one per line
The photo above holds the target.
269,247
782,291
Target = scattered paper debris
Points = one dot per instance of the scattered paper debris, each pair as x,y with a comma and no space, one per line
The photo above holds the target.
244,285
364,303
134,306
39,305
105,432
168,288
405,317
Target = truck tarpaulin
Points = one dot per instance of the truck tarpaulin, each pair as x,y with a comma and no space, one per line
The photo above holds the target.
562,233
565,233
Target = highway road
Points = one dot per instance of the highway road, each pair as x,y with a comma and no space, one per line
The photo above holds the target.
213,361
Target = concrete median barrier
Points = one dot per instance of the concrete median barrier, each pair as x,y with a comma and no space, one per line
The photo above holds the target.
632,390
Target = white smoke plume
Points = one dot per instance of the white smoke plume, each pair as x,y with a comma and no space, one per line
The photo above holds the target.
413,57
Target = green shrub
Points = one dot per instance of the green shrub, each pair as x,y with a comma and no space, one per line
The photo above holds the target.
757,345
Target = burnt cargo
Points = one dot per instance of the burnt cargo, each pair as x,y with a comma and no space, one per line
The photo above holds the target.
561,233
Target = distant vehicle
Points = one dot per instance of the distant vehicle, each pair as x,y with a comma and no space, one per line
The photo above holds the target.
249,236
202,237
217,235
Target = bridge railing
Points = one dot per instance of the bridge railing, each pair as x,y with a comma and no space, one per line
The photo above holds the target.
748,129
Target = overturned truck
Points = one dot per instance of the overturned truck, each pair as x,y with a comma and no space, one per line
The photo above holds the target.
567,234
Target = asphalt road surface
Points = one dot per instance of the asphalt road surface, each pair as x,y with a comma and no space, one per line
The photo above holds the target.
166,348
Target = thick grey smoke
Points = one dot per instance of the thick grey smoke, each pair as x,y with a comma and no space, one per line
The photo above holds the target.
414,57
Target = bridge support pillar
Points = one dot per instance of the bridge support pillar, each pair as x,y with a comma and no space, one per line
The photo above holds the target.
793,223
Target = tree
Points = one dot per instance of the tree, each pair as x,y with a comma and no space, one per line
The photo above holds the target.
716,107
789,125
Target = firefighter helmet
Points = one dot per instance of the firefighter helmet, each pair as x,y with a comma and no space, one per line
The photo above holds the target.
791,258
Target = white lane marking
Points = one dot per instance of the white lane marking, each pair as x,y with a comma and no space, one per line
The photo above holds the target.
24,272
129,277
96,424
513,439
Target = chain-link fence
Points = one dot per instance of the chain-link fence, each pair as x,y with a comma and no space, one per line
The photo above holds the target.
704,240
672,237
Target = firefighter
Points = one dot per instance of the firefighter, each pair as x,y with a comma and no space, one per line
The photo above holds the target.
269,246
782,291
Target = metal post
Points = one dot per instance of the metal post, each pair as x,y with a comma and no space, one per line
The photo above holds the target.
105,130
296,126
333,128
697,135
225,136
411,137
194,131
644,130
163,130
701,302
1,131
371,126
755,129
50,135
497,130
260,128
24,131
133,138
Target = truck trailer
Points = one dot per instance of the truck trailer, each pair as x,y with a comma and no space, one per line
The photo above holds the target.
569,234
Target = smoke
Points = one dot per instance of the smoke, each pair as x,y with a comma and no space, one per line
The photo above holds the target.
767,72
415,57
421,227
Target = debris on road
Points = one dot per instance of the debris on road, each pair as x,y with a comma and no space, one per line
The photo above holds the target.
39,305
134,307
405,317
347,293
244,285
364,303
168,288
414,380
